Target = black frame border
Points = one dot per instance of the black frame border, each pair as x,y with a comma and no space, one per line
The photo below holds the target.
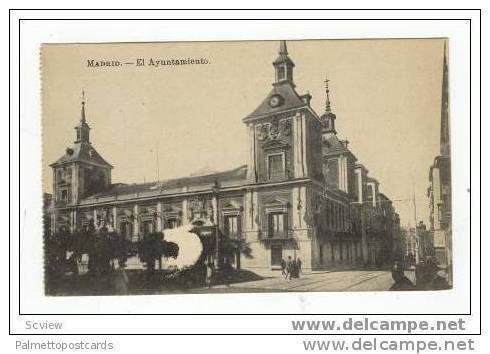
239,314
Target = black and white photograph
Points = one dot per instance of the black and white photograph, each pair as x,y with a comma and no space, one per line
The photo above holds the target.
246,167
236,181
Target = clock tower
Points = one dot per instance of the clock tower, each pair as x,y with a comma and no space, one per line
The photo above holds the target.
283,131
81,171
284,158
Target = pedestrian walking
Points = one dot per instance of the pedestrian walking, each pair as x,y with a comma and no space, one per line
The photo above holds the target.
294,269
289,268
299,265
283,268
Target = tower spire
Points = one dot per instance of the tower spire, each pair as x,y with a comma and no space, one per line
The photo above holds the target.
283,49
445,149
83,130
328,108
82,118
328,118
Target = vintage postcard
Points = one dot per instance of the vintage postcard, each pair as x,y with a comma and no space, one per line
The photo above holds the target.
247,166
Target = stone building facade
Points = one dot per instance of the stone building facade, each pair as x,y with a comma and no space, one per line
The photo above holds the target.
439,191
302,192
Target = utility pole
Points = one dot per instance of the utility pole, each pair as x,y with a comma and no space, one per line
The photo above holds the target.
157,162
416,233
158,165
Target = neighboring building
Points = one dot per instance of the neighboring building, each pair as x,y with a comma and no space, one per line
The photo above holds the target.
426,242
419,244
410,246
301,194
439,191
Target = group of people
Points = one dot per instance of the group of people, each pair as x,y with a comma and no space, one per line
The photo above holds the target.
428,276
291,268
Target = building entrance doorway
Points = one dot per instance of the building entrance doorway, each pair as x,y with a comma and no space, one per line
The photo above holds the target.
276,255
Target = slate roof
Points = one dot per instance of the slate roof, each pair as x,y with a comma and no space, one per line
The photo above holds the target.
290,97
233,177
332,145
82,152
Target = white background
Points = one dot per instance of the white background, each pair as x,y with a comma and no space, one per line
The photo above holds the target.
32,299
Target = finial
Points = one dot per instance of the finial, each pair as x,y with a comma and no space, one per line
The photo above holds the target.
328,108
82,118
283,49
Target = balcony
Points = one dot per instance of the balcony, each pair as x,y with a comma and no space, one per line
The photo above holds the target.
282,236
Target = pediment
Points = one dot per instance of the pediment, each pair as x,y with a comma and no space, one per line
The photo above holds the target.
276,201
275,144
232,205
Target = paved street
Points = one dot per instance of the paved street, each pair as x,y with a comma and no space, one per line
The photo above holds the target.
350,280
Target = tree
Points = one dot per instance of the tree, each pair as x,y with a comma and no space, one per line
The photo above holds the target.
104,248
56,262
119,248
100,254
170,249
55,248
232,248
229,248
153,247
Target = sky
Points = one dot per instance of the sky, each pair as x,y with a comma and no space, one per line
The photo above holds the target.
386,95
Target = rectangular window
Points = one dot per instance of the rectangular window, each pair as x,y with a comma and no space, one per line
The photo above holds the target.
276,225
342,218
171,223
281,73
148,227
275,166
369,194
126,230
64,195
331,214
232,225
339,221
